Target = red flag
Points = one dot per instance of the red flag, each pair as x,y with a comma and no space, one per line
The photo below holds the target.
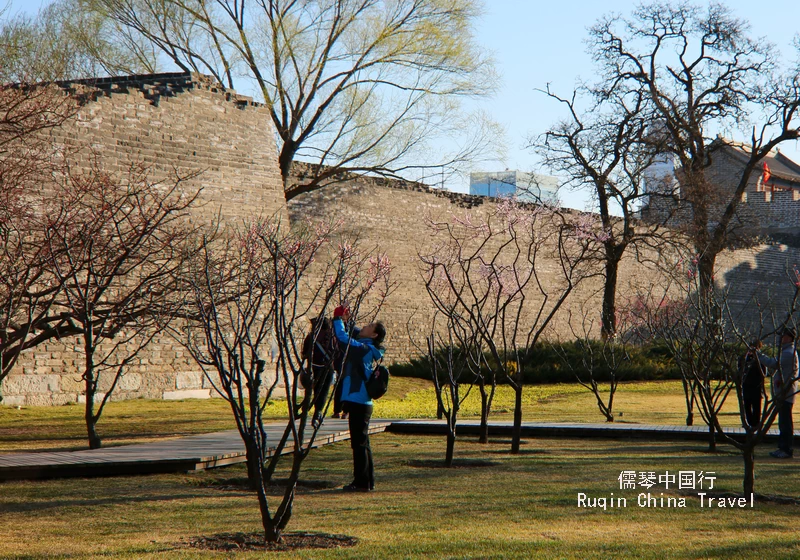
765,175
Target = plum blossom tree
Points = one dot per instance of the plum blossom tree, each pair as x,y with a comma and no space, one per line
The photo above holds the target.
489,270
116,249
252,295
706,338
27,161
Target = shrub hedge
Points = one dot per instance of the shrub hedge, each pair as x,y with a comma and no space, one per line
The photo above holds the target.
545,365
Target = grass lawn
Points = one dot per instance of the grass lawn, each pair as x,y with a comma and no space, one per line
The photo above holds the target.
519,507
136,421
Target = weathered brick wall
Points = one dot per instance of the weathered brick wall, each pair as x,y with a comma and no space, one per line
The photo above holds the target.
392,215
183,122
761,282
171,123
758,211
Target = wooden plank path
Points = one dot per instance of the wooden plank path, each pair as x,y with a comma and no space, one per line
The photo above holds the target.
225,448
174,455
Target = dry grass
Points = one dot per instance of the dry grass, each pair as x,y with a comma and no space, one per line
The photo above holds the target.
137,421
524,506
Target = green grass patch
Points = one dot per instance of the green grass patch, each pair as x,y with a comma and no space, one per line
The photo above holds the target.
137,421
524,506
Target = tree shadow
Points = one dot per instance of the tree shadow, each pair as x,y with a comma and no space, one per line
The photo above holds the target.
26,507
764,286
458,463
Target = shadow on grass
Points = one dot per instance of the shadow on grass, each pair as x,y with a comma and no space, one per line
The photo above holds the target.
142,551
521,452
750,549
458,463
94,502
640,447
244,542
242,484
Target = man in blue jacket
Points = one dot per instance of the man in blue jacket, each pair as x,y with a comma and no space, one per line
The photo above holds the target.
362,349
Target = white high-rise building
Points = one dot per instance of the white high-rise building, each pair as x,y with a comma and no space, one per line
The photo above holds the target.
526,187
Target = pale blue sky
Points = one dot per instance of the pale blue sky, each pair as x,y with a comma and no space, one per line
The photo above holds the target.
536,42
539,42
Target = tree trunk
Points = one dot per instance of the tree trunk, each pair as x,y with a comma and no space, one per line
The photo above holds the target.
451,444
452,419
705,270
609,313
90,386
269,471
285,159
749,470
255,475
712,437
271,531
88,414
516,434
689,395
483,432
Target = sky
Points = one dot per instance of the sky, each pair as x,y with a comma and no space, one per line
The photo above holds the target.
535,43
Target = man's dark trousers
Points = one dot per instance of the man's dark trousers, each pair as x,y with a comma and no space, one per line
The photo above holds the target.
785,427
363,470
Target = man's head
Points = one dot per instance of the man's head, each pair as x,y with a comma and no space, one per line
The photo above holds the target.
788,335
376,331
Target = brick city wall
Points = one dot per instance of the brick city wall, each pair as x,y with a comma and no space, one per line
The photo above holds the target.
392,215
187,123
171,123
759,211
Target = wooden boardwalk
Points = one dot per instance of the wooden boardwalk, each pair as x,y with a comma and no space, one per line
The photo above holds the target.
174,455
225,448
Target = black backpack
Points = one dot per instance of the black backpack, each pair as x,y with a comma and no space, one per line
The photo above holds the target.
378,382
320,351
752,375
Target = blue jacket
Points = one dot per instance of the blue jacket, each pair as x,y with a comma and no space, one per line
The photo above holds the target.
361,354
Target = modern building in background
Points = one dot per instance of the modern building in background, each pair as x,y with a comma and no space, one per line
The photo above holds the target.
527,187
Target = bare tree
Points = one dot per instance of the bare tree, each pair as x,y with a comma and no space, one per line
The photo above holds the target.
118,246
699,340
492,269
457,356
361,86
252,295
755,429
607,147
706,339
454,358
27,161
702,74
352,275
598,358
